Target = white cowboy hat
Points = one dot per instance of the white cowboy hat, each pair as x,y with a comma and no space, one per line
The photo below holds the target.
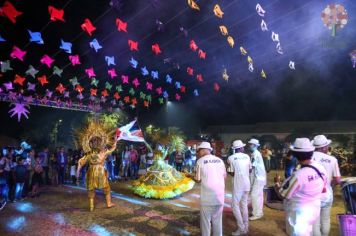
238,144
320,141
205,145
254,141
302,145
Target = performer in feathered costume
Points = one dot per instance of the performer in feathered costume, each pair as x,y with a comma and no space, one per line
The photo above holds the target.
94,141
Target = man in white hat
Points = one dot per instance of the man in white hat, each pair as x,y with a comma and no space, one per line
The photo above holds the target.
239,167
258,180
211,173
321,144
303,190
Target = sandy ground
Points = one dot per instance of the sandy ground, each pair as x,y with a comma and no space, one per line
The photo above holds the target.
64,211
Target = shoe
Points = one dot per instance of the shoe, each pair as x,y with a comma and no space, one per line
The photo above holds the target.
255,217
239,232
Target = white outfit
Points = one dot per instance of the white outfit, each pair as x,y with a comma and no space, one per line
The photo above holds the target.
240,165
210,170
73,170
258,181
322,225
303,193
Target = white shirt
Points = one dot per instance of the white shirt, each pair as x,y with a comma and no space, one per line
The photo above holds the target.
210,170
143,158
304,187
240,165
126,155
332,170
259,171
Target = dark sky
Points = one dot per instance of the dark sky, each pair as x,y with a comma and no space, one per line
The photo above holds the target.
322,87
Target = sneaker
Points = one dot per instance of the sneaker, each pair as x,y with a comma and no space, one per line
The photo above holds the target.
255,217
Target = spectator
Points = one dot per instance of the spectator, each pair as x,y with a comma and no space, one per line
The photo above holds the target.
84,169
266,154
110,163
4,179
134,162
27,163
117,168
62,161
54,167
126,162
44,155
188,159
143,158
194,156
179,159
170,159
149,161
19,178
36,178
290,164
73,168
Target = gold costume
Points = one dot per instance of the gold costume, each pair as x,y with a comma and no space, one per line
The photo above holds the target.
94,139
97,176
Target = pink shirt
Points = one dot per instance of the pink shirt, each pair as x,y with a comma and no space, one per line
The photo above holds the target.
133,155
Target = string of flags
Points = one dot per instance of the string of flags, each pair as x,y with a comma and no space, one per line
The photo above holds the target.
46,81
274,36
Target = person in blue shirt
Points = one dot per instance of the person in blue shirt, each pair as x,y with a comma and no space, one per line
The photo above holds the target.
291,163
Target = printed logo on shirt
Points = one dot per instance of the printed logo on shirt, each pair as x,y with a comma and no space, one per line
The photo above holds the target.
240,158
313,177
212,161
323,160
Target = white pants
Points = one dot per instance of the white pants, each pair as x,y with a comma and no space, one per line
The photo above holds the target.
299,222
322,224
257,198
211,216
240,209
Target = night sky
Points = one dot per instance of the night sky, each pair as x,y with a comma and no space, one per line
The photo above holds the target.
323,86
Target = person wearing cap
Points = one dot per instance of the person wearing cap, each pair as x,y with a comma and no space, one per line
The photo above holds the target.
321,144
302,192
211,173
239,167
258,180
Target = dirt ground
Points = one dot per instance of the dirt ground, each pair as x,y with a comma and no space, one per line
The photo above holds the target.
64,211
